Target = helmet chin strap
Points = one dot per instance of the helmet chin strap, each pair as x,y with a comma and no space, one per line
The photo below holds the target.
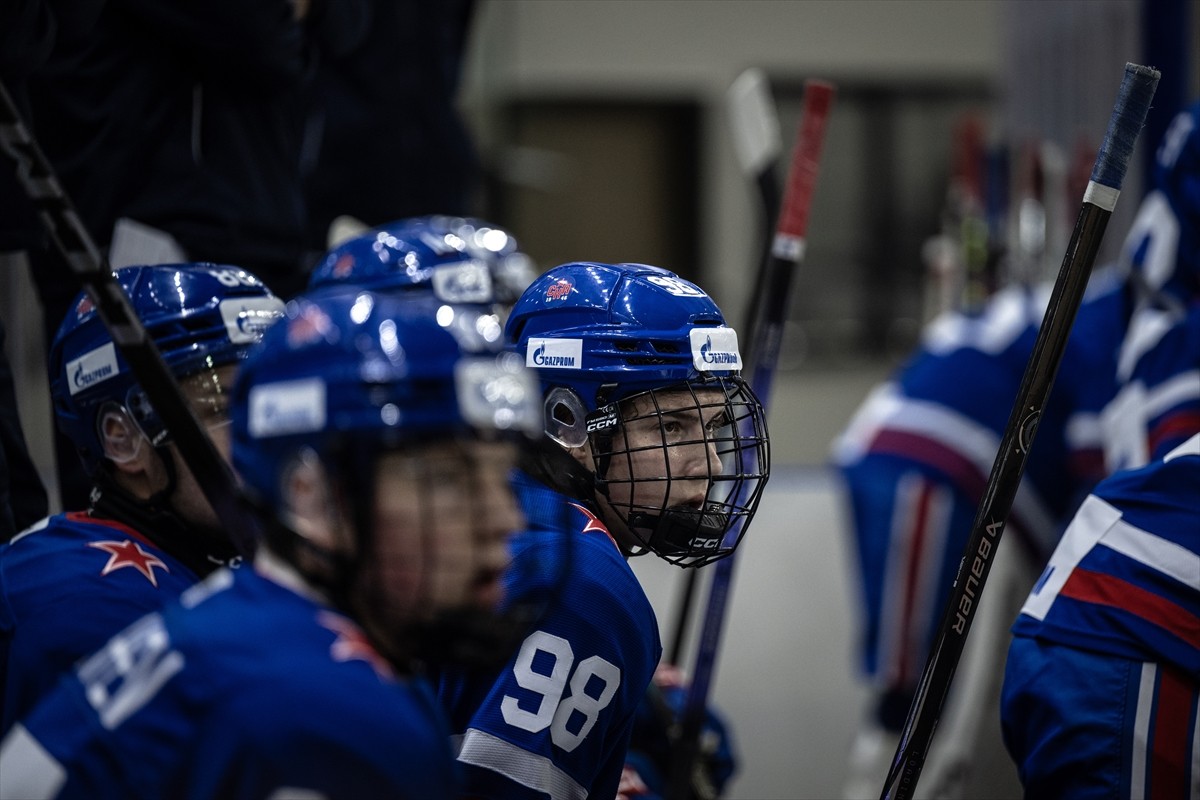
201,549
681,530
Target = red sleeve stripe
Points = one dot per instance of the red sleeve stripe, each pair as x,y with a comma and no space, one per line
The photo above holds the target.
1106,590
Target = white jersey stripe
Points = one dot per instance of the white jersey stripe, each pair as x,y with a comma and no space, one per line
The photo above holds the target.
483,750
1172,392
1141,732
888,408
27,770
1091,522
1155,552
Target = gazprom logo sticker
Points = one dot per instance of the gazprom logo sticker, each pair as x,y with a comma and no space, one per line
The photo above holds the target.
247,318
715,349
92,368
555,353
287,407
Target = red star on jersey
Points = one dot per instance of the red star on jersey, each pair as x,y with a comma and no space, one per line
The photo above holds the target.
351,643
128,553
593,523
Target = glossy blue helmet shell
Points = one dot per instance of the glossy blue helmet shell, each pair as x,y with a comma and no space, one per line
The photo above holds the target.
632,327
460,259
200,316
378,369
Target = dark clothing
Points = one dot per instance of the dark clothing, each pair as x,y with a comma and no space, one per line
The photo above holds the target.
22,496
186,117
26,35
183,118
391,141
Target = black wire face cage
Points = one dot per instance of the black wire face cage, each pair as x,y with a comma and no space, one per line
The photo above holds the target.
684,466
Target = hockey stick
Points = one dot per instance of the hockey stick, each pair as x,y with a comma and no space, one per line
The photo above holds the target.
77,248
754,127
1128,116
787,251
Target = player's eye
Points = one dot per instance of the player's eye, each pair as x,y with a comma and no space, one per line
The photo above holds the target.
718,422
672,427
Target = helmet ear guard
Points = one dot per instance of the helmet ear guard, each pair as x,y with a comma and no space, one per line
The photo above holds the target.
120,436
566,417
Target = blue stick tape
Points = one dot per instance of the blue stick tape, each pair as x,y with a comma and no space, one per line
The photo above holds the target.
1128,117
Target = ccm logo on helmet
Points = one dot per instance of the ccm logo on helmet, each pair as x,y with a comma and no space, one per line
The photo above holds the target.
557,353
92,368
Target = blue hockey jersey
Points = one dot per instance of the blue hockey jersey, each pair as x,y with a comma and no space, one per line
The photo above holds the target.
1102,685
556,720
1125,579
66,586
1158,405
916,457
244,688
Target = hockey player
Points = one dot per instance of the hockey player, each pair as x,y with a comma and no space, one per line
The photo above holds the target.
75,579
668,454
1102,686
1158,405
461,259
915,459
380,446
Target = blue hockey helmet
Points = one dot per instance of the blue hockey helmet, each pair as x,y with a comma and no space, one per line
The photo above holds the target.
199,315
376,369
347,377
461,259
618,343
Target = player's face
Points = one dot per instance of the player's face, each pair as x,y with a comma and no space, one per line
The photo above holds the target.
663,452
207,395
443,517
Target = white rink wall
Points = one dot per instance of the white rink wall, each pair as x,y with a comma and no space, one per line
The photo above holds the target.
785,679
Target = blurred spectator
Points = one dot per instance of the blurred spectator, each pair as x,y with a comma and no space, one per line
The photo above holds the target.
388,139
176,130
26,35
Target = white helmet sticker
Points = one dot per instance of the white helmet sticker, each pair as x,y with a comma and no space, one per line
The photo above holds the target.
91,368
247,318
715,349
498,394
468,282
286,407
557,353
676,286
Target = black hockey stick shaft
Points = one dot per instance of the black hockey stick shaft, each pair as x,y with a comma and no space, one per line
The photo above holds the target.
754,128
787,252
77,248
1128,117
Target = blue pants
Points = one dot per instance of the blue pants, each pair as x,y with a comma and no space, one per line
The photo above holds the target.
1081,724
